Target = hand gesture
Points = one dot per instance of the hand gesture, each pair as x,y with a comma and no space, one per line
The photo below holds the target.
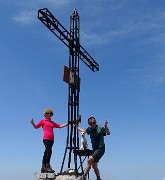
32,121
106,123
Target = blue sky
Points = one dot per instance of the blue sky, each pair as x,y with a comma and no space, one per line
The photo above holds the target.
127,39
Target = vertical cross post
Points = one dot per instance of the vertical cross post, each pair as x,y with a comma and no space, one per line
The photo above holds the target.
73,98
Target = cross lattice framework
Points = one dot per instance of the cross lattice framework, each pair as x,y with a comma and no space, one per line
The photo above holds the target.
76,52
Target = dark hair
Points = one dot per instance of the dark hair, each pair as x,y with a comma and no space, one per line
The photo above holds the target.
91,118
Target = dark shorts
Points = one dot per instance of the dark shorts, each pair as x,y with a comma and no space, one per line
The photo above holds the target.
97,154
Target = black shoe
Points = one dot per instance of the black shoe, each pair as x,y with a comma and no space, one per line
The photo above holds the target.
43,169
83,177
49,169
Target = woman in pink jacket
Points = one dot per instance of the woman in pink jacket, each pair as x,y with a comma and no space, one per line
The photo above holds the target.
48,138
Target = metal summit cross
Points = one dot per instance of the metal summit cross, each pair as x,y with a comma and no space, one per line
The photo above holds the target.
71,76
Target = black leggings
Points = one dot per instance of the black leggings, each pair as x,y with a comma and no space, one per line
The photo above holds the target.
48,151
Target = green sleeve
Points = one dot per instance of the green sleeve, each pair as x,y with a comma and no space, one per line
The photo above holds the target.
103,131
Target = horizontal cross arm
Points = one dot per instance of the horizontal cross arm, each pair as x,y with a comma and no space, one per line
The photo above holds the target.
47,18
88,60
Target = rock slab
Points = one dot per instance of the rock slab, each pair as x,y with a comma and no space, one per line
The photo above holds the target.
54,176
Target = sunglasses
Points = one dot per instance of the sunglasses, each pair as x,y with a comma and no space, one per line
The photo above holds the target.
92,123
50,114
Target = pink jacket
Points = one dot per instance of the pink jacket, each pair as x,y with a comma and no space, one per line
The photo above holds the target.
48,127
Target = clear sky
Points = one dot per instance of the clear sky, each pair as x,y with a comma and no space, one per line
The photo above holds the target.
127,39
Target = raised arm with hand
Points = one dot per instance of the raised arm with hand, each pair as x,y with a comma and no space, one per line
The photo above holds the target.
106,128
32,122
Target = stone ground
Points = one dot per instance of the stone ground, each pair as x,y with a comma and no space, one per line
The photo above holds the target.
67,177
53,176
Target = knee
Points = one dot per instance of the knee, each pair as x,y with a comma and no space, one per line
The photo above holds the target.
90,161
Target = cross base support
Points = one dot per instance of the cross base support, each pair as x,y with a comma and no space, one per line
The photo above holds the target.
53,176
41,176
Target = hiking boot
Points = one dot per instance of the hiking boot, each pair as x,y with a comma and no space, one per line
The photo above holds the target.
43,169
49,169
